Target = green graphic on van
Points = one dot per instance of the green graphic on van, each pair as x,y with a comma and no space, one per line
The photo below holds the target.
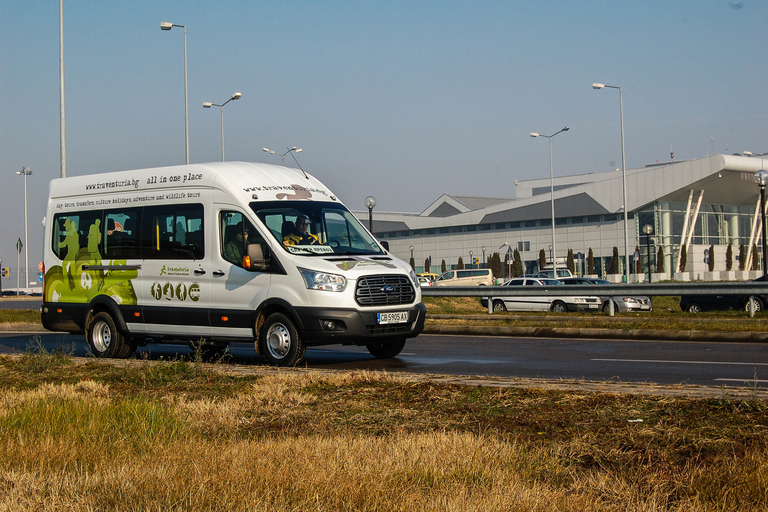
70,282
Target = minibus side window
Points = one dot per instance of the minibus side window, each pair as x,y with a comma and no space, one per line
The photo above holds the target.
78,235
121,240
236,233
173,232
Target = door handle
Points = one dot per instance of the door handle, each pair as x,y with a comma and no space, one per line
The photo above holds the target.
199,272
218,273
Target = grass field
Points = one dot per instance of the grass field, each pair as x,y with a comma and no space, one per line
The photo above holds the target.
185,436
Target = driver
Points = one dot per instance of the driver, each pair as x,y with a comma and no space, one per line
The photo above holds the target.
300,234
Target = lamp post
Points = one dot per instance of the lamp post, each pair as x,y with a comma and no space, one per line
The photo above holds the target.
207,104
282,156
623,176
761,178
168,26
25,172
370,203
509,259
483,249
648,229
552,191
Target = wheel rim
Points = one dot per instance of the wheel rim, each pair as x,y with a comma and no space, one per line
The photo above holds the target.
498,307
694,308
559,308
278,340
102,336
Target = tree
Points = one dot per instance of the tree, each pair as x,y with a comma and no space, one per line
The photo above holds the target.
755,257
711,259
683,258
498,271
518,261
742,256
660,260
729,258
460,266
638,263
615,261
507,271
570,263
426,265
442,267
542,259
591,262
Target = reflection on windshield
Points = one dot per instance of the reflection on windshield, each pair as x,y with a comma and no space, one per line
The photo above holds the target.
309,227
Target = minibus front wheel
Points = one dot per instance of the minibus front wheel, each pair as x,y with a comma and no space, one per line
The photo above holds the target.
386,349
280,341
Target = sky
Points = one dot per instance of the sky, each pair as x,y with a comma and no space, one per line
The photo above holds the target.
400,100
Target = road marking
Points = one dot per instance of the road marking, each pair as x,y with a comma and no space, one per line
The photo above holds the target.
748,381
680,362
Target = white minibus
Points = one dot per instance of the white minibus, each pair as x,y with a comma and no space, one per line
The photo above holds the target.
219,253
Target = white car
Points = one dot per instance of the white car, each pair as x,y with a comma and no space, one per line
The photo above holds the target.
556,304
424,281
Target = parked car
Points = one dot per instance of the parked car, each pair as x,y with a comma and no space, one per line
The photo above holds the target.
469,277
424,281
621,303
542,302
429,275
699,303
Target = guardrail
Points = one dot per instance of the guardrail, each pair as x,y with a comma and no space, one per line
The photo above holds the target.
750,288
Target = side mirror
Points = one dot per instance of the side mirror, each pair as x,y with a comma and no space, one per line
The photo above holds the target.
385,244
255,260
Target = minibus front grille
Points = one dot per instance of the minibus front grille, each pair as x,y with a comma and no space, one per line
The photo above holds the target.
384,290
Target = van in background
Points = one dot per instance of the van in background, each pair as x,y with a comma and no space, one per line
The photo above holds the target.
470,277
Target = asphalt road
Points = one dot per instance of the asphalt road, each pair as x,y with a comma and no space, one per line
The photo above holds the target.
627,361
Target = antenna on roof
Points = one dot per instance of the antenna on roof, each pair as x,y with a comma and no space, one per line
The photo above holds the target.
297,162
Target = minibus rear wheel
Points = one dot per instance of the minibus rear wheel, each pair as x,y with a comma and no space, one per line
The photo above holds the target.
280,341
105,340
386,349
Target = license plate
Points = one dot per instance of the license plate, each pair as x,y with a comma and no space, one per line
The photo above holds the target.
593,306
644,306
396,317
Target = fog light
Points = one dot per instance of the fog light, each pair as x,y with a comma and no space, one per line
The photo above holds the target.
329,325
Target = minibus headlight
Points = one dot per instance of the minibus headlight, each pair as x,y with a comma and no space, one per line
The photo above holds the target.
323,281
414,278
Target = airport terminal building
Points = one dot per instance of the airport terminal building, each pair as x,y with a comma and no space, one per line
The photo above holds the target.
701,203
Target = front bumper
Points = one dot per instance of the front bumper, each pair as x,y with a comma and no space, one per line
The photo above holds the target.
324,326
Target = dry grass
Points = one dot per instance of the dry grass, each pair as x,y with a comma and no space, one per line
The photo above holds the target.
175,436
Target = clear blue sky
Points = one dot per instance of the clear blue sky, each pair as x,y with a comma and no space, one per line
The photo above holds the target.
401,100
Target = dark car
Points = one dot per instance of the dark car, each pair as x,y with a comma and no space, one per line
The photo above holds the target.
699,303
621,303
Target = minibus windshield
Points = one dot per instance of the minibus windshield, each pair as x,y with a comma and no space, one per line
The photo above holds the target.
315,228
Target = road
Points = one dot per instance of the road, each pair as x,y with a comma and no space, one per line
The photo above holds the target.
660,362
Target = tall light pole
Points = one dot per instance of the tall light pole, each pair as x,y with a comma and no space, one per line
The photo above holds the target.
168,26
207,104
370,203
761,178
648,229
623,177
25,172
294,149
62,116
552,192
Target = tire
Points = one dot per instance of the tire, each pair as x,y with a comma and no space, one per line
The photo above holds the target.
105,340
280,341
606,306
694,307
758,305
499,306
386,349
558,307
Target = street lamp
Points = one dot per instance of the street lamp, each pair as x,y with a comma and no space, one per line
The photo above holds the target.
623,177
370,202
282,156
25,172
168,26
509,259
207,104
471,261
483,249
552,192
761,178
648,229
